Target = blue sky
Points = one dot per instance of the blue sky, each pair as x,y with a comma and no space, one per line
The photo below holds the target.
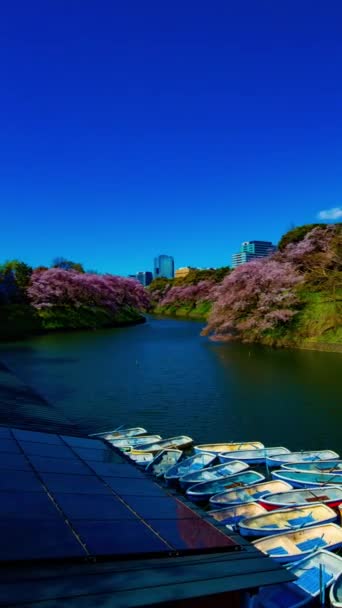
130,129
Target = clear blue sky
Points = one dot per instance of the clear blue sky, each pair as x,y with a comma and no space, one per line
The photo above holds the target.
134,128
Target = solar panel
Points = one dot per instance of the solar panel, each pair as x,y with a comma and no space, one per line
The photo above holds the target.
71,497
114,538
46,449
190,534
70,466
21,481
14,462
92,506
38,539
134,487
82,484
37,437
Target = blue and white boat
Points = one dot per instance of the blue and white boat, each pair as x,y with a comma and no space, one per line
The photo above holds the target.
305,479
195,463
233,515
142,459
127,443
212,473
181,442
328,495
291,546
202,492
217,448
121,432
335,596
163,462
284,520
249,494
257,456
315,574
323,466
309,456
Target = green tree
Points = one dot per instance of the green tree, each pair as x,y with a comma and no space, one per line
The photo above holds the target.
297,234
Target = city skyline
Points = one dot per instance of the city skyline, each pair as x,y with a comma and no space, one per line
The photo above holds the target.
126,132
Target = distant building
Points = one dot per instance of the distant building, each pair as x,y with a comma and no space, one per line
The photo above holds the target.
164,266
145,278
132,276
250,250
182,272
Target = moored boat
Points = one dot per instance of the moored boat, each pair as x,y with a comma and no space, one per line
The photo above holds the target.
284,520
315,573
236,497
292,546
335,595
201,492
127,443
322,466
210,474
141,459
195,463
121,432
308,456
257,456
328,495
163,462
233,515
305,479
217,448
181,443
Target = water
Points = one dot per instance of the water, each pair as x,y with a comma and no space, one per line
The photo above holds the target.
164,376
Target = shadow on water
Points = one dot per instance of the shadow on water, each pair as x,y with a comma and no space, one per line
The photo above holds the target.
165,376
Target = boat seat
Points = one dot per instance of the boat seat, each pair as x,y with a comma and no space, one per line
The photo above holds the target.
310,580
278,551
301,521
270,526
311,544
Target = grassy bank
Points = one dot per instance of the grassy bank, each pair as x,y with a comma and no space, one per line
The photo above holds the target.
20,320
199,311
315,327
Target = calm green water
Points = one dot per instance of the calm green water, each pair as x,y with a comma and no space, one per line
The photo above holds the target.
164,376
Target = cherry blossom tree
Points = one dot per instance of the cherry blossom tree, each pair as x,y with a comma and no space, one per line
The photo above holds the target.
56,287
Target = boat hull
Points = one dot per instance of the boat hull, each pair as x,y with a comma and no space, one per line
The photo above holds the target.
258,457
251,493
189,465
217,448
294,518
212,473
310,456
202,492
293,546
304,479
331,496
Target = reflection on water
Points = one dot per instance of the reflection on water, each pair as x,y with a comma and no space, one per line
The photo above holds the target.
164,376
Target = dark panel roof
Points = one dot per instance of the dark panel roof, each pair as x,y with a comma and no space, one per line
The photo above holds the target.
67,502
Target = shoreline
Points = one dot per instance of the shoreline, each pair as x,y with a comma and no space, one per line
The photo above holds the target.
328,347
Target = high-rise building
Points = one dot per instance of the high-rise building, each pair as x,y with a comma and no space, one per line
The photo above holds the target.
145,278
250,250
164,266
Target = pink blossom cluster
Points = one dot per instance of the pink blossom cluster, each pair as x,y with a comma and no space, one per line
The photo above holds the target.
56,287
317,241
188,293
256,296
